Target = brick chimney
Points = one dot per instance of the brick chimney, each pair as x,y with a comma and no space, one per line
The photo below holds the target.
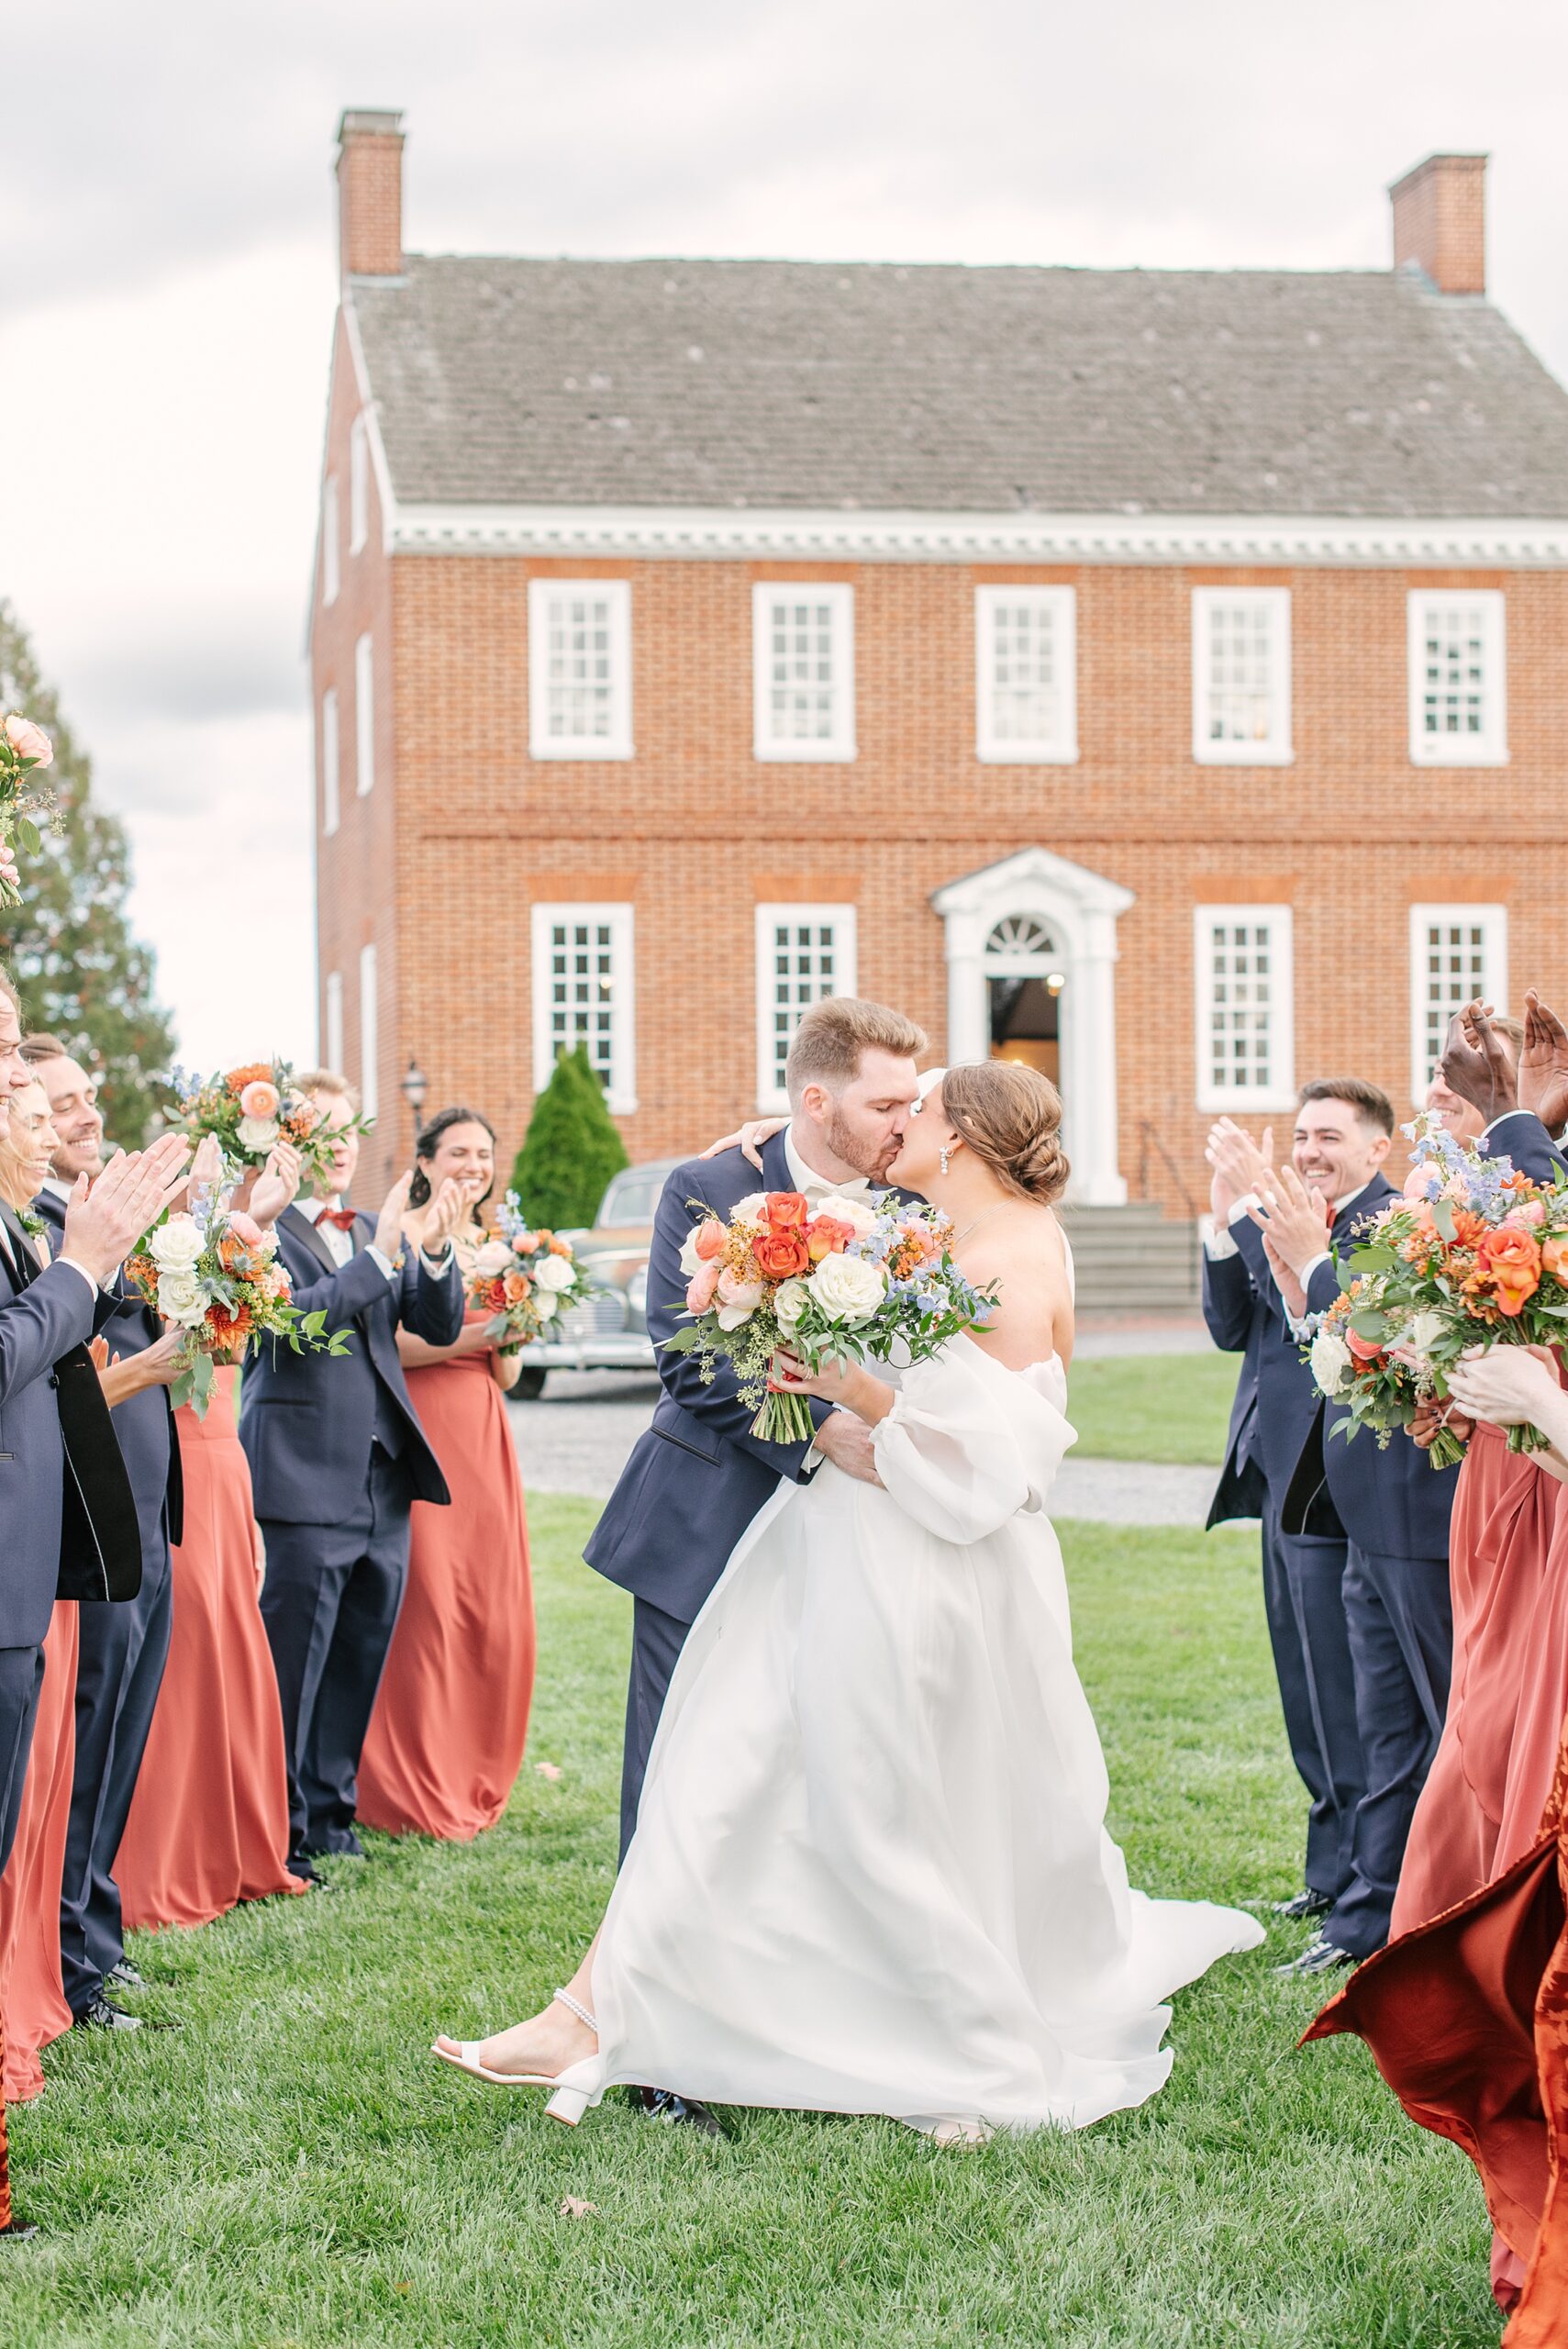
1439,221
370,193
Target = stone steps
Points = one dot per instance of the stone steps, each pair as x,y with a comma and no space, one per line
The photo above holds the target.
1133,1260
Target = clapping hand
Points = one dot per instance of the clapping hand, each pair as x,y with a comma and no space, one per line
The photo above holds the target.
104,1222
389,1222
447,1210
277,1185
1239,1166
1476,1063
1544,1066
1294,1219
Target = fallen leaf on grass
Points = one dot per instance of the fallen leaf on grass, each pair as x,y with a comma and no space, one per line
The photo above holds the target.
573,2208
548,1769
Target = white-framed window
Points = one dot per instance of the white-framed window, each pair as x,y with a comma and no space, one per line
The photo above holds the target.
579,669
1458,714
332,1036
1457,953
1241,676
368,1031
1246,1025
364,717
330,754
803,670
1026,669
585,978
804,952
359,483
329,547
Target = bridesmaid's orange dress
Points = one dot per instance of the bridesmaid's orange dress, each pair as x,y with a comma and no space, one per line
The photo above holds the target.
1504,1511
445,1738
209,1824
31,1992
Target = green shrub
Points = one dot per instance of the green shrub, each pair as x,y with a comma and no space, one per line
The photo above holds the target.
571,1149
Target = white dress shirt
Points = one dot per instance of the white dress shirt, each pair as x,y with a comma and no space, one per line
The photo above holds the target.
815,1188
340,1244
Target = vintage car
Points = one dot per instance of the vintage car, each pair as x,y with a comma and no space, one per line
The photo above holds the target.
610,1330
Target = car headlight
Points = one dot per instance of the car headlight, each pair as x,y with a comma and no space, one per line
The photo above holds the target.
637,1290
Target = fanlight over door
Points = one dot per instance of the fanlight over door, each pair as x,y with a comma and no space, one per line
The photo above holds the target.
1024,979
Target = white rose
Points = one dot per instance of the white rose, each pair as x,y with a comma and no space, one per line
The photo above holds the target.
690,1260
857,1213
493,1259
752,1208
790,1301
176,1245
543,1305
181,1302
849,1289
1425,1331
1331,1359
258,1133
554,1273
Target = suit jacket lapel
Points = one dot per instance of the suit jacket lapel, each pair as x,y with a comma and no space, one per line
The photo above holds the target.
306,1232
26,1263
775,1162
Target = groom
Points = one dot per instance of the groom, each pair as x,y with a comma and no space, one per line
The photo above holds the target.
699,1476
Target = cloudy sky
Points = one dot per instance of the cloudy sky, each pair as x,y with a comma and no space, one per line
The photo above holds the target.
167,236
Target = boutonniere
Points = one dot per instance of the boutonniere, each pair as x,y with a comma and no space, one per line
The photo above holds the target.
32,1223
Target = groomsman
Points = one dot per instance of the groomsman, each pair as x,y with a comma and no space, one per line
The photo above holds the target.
123,1649
1302,1576
338,1458
1395,1507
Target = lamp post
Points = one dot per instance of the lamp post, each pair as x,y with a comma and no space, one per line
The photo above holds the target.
413,1088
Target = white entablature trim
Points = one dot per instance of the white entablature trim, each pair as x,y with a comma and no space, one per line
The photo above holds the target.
799,535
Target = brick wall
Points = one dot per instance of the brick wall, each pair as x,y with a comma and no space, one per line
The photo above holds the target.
463,831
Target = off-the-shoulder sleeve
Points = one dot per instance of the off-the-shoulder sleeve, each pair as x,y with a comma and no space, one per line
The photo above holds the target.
968,1446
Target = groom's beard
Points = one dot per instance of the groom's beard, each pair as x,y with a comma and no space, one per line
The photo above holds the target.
853,1150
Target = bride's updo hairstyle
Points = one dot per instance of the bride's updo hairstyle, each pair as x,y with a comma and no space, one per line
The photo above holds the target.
1011,1118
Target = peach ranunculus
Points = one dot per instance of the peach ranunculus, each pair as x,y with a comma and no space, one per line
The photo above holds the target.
781,1255
1511,1258
1554,1256
259,1098
1421,1182
786,1210
28,741
515,1286
1363,1349
826,1236
1530,1211
701,1287
711,1237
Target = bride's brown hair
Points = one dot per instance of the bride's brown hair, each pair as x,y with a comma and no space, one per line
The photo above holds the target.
1011,1118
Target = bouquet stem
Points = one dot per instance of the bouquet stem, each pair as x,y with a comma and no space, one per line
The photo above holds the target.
783,1418
1526,1438
1445,1450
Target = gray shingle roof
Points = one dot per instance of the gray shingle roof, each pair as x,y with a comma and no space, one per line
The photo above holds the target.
821,384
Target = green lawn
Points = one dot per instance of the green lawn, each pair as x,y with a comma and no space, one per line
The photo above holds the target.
291,2168
1154,1406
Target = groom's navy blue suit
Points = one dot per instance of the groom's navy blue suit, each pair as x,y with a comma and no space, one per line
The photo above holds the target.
1395,1507
120,1666
338,1458
699,1476
1520,1136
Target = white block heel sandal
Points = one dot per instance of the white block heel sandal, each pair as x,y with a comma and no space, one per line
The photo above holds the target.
567,2104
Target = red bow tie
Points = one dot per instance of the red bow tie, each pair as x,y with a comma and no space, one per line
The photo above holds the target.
340,1218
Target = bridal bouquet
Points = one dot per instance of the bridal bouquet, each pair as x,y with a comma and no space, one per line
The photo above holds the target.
1471,1254
852,1280
524,1276
24,749
215,1278
250,1108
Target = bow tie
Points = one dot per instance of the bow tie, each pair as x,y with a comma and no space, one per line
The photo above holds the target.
815,1188
340,1218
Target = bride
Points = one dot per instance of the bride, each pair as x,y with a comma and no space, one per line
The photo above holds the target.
871,1872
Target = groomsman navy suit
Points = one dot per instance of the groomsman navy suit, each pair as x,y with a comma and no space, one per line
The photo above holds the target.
121,1658
1303,1569
338,1458
1395,1507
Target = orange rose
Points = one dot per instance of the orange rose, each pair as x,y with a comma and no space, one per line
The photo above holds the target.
826,1236
781,1255
711,1238
1363,1349
515,1287
560,1247
1554,1258
786,1210
1512,1259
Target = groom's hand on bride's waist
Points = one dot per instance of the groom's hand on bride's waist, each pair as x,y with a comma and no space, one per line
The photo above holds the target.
846,1442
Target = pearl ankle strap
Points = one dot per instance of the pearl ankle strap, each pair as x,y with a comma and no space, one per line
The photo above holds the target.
566,2000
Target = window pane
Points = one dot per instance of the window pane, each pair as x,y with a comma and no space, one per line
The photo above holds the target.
1025,705
1241,1006
579,681
801,958
583,997
1455,973
1453,680
800,679
1241,673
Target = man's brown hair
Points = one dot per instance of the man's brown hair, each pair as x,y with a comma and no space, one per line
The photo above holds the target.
8,989
327,1080
36,1049
1370,1102
833,1035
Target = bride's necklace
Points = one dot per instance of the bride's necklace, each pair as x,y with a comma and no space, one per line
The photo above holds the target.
960,1236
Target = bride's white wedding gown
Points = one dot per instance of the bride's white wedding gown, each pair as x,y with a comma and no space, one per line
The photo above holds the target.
871,1872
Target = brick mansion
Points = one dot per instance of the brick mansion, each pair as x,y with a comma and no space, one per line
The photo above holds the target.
1161,676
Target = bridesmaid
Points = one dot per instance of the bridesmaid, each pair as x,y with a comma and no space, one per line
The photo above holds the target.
446,1739
208,1823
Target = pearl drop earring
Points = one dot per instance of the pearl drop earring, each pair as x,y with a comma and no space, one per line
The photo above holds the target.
946,1154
